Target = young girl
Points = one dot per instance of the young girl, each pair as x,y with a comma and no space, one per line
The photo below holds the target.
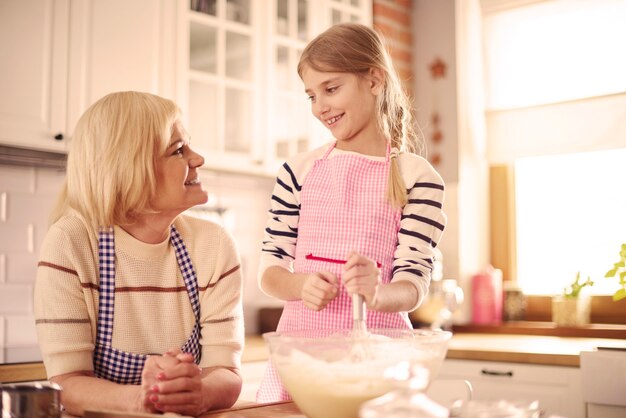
359,216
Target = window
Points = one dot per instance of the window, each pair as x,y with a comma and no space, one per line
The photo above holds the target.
570,217
555,94
554,51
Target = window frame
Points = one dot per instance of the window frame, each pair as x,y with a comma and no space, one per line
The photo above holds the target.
503,249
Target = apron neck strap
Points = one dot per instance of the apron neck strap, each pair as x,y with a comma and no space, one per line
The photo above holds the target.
329,150
332,147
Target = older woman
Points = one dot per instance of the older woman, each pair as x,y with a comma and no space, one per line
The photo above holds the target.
138,307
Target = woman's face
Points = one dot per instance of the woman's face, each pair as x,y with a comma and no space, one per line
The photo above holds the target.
343,102
178,183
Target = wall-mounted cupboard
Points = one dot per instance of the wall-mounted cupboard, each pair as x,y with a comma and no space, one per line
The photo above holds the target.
242,99
229,64
59,56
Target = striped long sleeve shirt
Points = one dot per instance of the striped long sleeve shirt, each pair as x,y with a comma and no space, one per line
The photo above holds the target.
421,226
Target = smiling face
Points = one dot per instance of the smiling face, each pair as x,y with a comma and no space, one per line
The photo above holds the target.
344,103
178,184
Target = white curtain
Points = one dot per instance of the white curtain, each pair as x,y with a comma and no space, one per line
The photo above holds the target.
555,77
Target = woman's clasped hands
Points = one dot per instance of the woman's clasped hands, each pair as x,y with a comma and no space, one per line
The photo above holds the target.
172,382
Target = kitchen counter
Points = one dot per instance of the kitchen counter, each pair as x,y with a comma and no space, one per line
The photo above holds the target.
528,349
270,410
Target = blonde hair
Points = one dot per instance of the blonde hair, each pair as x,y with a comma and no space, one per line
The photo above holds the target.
355,48
111,163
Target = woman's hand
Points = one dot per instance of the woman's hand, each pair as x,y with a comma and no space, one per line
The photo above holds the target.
362,276
172,383
319,289
154,365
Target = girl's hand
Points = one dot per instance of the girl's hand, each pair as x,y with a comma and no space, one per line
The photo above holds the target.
362,276
319,289
178,386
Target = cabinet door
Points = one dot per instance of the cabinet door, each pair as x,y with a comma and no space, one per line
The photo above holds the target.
60,56
290,27
33,74
558,389
222,80
119,45
292,24
348,11
245,106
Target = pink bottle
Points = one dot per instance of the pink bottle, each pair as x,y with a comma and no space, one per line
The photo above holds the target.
487,297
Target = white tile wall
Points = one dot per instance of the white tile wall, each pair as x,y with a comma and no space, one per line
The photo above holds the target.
247,199
26,198
28,194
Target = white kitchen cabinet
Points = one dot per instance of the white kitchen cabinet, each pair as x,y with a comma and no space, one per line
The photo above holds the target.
603,374
243,102
59,56
34,42
557,388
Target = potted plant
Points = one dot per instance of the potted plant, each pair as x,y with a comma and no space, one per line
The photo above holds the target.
572,308
619,269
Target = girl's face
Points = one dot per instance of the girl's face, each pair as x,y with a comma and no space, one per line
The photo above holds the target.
344,103
178,183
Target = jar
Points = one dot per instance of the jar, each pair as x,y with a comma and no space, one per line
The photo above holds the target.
514,305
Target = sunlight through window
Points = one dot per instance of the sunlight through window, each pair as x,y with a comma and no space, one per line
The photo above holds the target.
571,217
555,51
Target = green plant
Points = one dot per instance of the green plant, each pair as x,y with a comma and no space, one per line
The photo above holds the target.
619,269
573,290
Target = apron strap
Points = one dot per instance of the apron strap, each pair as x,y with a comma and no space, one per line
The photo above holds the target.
387,151
187,270
329,150
106,300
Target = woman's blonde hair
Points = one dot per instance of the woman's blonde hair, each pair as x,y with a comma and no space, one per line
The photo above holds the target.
111,163
355,48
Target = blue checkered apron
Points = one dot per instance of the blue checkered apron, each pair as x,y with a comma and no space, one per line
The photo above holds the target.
116,365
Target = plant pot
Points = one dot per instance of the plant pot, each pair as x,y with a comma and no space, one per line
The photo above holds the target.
571,312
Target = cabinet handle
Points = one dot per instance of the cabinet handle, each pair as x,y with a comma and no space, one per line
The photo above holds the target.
58,137
495,373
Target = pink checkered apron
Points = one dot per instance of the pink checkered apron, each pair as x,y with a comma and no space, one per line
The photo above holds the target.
343,207
116,365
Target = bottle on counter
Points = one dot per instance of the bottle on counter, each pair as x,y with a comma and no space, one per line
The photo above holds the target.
487,296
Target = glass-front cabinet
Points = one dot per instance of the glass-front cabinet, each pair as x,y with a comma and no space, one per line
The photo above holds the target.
243,102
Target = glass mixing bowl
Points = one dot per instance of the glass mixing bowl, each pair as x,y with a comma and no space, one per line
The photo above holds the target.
330,373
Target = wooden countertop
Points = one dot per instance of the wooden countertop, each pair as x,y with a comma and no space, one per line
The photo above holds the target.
528,349
268,410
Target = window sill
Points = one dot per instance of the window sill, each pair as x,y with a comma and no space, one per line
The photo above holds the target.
547,329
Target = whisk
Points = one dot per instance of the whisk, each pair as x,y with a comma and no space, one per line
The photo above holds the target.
360,349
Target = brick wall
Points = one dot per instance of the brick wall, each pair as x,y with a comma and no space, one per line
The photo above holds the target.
392,18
